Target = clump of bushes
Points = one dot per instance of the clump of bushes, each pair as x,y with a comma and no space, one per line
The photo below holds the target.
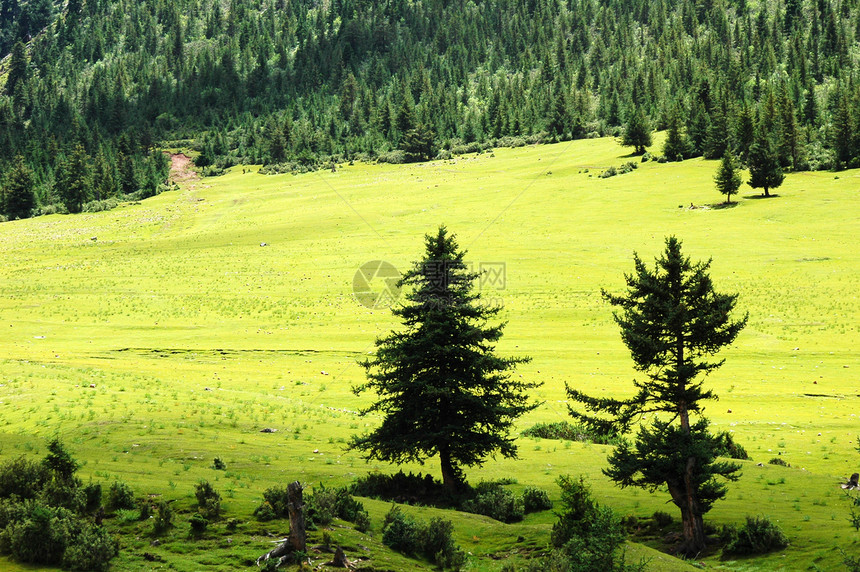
535,500
401,488
486,498
43,514
432,540
120,496
496,502
586,536
564,430
163,518
757,536
727,447
777,461
322,507
208,500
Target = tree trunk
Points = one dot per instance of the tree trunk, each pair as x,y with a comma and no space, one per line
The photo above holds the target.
450,475
691,518
296,510
766,193
297,540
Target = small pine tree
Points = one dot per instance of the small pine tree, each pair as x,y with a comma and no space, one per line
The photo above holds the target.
727,179
675,148
73,183
765,172
17,198
637,132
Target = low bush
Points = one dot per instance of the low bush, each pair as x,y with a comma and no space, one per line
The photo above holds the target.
163,518
208,500
496,502
327,504
91,551
120,496
274,504
433,541
218,464
778,461
535,500
586,537
662,519
198,523
729,448
757,536
402,488
564,430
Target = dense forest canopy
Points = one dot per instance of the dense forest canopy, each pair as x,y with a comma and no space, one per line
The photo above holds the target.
275,81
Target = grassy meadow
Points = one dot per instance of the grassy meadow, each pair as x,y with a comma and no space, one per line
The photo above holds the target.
157,336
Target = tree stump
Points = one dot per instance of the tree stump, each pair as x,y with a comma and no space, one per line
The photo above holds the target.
340,560
296,542
296,510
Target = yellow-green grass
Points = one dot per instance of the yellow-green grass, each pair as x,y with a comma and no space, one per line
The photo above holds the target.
195,337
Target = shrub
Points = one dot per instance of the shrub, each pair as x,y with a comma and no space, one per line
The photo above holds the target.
218,464
400,532
99,206
569,431
92,550
163,518
438,544
610,172
662,519
395,157
265,512
758,536
727,447
587,536
22,478
198,524
274,504
535,500
41,537
433,541
777,461
327,504
208,499
401,488
120,496
494,501
92,496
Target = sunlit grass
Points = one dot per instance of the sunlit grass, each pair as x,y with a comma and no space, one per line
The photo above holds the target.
158,336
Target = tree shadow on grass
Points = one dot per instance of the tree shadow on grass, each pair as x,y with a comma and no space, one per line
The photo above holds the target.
772,196
724,205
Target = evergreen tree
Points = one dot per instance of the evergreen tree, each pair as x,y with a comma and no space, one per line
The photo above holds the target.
73,182
17,68
672,321
17,198
727,179
765,172
419,143
675,146
637,132
441,388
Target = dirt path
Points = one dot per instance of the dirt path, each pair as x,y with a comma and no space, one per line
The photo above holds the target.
181,169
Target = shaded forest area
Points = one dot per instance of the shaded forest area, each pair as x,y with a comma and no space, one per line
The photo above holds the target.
90,89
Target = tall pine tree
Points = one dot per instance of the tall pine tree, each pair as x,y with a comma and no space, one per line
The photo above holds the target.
441,389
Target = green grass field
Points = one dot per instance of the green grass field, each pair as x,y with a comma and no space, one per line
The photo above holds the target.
157,336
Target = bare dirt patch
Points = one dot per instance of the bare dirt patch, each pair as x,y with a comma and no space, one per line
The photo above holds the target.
181,169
